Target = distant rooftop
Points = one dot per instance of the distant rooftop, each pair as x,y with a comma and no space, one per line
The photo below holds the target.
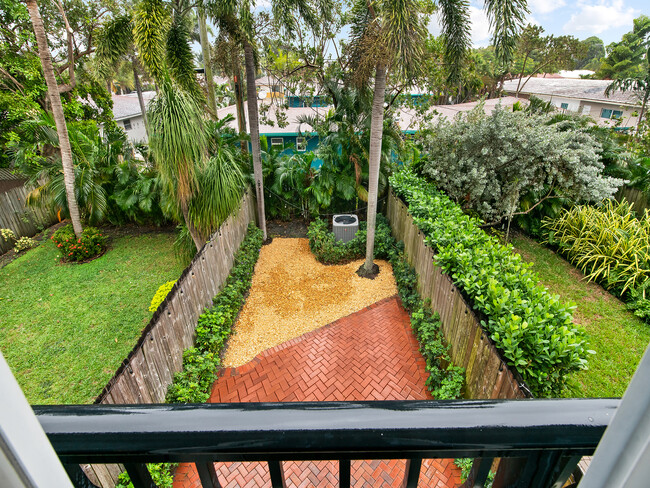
592,90
126,106
292,114
408,121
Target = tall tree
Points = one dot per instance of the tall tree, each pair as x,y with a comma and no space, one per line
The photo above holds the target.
388,34
548,54
594,51
237,19
54,95
178,144
115,43
624,59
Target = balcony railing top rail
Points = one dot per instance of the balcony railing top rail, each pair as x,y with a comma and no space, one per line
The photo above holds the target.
552,433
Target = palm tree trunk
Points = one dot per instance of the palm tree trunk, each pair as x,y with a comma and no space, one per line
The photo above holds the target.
57,111
253,119
643,106
196,237
239,100
207,70
138,89
376,133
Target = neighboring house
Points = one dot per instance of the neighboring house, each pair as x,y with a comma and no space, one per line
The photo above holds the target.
292,137
585,97
269,87
128,115
409,122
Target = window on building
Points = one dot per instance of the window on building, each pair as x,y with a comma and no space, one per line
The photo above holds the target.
301,144
127,124
277,142
617,114
564,106
606,113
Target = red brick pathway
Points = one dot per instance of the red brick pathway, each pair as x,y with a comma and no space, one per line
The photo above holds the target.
369,355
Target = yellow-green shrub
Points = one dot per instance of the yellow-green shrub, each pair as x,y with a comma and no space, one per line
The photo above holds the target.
160,295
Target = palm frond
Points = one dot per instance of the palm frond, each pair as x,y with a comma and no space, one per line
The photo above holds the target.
150,25
506,19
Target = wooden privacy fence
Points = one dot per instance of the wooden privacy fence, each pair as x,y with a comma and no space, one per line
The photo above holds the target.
637,198
487,374
148,370
15,215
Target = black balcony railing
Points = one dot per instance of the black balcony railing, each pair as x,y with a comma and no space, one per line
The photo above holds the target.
547,437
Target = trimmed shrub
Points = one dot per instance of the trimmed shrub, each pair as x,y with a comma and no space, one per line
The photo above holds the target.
328,250
91,243
532,328
160,295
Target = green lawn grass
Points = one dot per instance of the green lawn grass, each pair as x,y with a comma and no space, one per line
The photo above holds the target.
618,337
65,328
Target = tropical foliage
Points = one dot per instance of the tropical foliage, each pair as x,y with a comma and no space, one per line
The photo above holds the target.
608,243
532,328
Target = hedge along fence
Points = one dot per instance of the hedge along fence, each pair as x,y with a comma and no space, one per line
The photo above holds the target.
532,328
487,375
15,215
148,370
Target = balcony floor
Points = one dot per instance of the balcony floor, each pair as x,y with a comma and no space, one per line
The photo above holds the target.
368,355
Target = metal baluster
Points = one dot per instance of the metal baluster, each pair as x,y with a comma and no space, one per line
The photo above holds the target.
208,475
139,475
77,476
566,466
277,474
344,473
412,473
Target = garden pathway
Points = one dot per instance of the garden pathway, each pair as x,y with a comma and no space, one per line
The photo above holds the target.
368,355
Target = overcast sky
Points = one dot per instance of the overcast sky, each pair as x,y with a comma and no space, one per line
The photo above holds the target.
607,19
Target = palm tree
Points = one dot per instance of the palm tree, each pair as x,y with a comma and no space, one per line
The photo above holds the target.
237,19
57,111
641,85
178,145
115,43
207,65
162,38
388,35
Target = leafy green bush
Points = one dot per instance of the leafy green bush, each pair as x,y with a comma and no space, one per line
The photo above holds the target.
91,243
161,474
533,329
160,295
328,250
445,380
200,363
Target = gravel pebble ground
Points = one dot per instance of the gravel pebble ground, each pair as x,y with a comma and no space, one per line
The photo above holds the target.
293,294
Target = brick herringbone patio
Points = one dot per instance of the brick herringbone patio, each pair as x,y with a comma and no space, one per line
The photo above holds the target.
369,355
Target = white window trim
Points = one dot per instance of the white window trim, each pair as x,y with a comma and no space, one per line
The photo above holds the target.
277,141
303,143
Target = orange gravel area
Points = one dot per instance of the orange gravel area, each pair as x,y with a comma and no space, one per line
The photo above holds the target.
293,294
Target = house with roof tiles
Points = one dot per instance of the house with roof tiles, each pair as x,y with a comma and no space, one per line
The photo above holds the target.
584,97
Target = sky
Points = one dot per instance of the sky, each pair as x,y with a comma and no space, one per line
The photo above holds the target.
607,19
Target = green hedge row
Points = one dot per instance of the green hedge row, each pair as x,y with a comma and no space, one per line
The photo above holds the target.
533,329
200,363
445,380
